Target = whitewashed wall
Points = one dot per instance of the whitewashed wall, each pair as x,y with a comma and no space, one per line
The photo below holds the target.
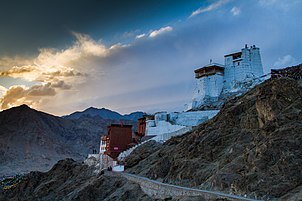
192,118
176,121
207,86
256,62
162,127
247,67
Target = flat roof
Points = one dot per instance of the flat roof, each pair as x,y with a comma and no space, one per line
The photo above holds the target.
234,54
214,64
210,67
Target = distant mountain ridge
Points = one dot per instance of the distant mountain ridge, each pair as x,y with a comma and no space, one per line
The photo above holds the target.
105,114
37,140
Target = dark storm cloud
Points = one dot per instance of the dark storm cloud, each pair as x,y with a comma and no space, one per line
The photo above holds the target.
29,25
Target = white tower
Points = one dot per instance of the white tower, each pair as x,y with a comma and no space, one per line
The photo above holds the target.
209,83
242,66
256,61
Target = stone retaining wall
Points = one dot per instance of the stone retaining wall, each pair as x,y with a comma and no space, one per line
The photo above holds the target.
161,190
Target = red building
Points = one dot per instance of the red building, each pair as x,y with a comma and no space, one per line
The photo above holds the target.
118,139
141,127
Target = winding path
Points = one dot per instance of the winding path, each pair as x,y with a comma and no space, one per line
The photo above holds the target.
161,190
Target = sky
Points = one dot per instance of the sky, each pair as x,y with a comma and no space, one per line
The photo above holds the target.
65,56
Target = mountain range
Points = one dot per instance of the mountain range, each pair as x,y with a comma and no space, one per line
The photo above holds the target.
105,114
34,140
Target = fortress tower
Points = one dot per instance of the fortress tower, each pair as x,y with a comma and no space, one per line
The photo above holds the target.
209,83
242,66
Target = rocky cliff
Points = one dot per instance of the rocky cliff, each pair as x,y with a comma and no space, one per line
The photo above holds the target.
253,146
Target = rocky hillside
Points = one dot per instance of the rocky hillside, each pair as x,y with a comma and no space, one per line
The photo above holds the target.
105,114
253,147
70,180
38,140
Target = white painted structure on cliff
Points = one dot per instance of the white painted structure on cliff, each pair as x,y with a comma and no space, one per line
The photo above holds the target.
164,122
165,125
212,80
215,79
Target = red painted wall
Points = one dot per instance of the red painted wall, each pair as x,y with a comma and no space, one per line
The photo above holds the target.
142,126
119,137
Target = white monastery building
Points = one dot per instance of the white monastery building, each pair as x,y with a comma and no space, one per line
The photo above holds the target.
214,79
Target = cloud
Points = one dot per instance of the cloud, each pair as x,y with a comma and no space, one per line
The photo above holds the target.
160,31
61,85
211,7
35,73
41,90
235,11
28,72
57,63
6,62
12,96
2,90
17,70
53,71
285,61
140,36
86,46
18,95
